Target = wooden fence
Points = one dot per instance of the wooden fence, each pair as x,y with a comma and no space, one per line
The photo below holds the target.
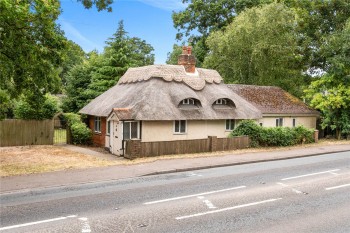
26,132
137,148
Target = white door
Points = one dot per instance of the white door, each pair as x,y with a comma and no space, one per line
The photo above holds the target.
116,137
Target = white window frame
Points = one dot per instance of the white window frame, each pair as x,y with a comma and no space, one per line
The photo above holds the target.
97,124
180,123
294,122
279,122
221,101
231,124
108,128
138,129
188,101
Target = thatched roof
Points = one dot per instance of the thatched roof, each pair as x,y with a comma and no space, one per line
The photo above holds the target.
272,100
158,97
170,73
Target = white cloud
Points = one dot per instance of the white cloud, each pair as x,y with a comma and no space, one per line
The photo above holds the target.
73,34
169,5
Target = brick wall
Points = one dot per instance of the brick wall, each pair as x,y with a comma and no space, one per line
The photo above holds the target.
98,139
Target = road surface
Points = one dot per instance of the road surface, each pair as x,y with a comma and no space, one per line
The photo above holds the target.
298,195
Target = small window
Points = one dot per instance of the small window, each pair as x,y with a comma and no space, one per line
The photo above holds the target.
131,130
108,127
188,101
261,124
180,126
230,124
294,122
97,125
279,122
221,102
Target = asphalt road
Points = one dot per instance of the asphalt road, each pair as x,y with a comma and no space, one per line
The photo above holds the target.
299,195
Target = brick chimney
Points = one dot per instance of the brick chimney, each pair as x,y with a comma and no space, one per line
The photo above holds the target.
187,59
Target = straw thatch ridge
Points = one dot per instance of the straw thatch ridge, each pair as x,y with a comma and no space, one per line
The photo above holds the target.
157,99
170,73
272,100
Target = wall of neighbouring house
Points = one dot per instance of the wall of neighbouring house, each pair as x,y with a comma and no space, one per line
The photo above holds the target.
308,122
98,139
153,131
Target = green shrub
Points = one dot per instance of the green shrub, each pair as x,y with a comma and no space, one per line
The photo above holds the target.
273,136
250,128
81,134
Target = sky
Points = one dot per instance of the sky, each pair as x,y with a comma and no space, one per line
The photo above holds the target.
149,20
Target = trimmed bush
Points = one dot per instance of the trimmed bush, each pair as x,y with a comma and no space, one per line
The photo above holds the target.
81,134
273,136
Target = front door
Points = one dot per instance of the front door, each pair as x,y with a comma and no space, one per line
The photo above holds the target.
116,137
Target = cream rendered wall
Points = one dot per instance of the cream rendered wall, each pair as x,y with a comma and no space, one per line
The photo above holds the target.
308,122
153,131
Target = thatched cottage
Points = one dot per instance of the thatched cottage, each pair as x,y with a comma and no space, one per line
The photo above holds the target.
166,103
278,107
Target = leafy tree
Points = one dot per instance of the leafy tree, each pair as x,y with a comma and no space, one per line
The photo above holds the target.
121,53
173,56
24,108
331,92
259,47
73,55
100,4
30,47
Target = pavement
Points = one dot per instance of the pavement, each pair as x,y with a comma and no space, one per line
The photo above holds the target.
25,183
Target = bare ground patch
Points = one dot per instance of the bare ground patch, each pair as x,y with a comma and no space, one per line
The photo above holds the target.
39,159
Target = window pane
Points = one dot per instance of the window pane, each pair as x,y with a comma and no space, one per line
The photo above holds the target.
182,126
277,121
177,126
134,129
294,122
232,125
108,127
126,130
227,124
281,121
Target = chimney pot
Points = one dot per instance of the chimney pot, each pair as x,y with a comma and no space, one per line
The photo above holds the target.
187,59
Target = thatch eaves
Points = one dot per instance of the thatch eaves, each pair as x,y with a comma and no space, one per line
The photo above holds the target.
157,99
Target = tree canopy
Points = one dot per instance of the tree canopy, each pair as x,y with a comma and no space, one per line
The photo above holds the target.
259,47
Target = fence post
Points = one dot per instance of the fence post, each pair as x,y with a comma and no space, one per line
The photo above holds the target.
316,135
133,149
212,143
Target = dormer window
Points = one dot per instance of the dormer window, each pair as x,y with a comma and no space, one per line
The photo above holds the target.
221,102
188,101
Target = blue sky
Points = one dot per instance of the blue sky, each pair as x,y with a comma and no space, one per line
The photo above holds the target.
149,20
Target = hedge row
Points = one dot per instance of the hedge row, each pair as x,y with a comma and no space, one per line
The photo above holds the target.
274,136
81,134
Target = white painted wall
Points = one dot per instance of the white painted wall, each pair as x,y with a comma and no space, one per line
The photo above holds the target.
308,122
164,130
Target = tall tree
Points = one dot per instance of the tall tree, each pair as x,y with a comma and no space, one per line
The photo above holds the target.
331,93
259,47
121,53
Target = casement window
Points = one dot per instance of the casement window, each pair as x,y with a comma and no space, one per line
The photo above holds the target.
97,124
131,130
221,102
230,124
180,127
279,122
108,127
294,122
188,101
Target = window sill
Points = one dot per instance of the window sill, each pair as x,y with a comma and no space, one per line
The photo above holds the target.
179,133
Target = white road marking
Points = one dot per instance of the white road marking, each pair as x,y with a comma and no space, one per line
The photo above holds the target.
35,223
192,174
226,209
193,195
311,174
86,227
207,202
337,187
293,189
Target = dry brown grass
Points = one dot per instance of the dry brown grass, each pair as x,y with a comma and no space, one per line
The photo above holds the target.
38,159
